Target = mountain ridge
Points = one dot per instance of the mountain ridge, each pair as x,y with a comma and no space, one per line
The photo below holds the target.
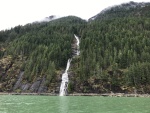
125,7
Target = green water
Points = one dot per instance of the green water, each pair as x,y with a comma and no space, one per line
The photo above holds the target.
76,104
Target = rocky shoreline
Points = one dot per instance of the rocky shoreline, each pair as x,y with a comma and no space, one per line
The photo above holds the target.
83,94
111,95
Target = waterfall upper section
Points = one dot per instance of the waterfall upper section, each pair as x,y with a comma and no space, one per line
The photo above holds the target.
77,44
65,79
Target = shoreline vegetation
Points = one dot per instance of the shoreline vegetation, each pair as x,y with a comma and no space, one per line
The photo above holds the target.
83,94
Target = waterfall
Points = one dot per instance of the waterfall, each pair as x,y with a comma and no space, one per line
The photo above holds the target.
78,41
64,82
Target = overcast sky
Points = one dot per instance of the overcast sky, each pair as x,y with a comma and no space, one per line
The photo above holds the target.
15,12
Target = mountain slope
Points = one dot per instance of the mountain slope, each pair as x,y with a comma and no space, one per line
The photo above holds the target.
40,50
114,53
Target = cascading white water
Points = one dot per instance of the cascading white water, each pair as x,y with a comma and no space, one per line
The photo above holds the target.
64,82
78,42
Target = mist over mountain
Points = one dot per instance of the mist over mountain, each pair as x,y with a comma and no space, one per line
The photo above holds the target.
125,9
48,19
114,53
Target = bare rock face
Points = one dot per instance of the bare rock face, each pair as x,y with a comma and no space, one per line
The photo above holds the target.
25,87
38,86
35,86
18,83
42,87
12,78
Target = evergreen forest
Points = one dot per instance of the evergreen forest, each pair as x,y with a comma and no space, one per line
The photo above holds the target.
114,53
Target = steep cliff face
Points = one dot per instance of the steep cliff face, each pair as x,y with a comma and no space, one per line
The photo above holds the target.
13,78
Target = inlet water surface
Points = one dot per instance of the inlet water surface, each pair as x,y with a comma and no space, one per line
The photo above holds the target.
76,104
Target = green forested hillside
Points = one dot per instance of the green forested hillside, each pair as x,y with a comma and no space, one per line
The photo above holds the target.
42,48
114,52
